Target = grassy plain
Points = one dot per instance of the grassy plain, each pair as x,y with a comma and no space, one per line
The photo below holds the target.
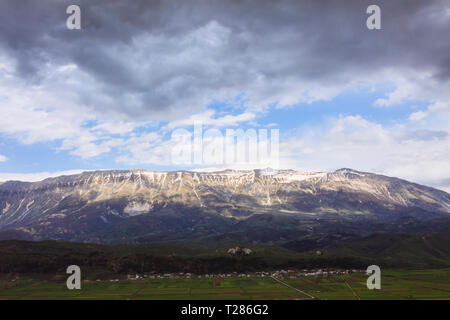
395,284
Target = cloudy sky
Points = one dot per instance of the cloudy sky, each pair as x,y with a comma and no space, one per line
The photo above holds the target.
110,95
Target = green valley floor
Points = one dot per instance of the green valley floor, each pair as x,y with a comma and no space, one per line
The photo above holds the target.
395,284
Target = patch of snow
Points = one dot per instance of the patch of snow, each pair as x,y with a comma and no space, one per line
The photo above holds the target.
136,208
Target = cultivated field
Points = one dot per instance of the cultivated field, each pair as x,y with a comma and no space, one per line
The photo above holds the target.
423,284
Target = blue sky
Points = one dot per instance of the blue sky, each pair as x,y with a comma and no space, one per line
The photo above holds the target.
109,96
47,156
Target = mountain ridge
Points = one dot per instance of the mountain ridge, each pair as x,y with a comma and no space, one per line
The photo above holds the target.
75,207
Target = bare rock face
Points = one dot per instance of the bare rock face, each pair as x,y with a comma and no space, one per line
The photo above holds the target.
72,207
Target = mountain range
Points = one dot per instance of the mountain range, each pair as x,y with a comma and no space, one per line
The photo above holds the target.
300,210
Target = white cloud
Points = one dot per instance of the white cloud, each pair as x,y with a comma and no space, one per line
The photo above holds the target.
207,118
119,127
170,71
444,188
416,155
404,90
36,176
3,158
148,148
412,84
49,112
417,116
439,108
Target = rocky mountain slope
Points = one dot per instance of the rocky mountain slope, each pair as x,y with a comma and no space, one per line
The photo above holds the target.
93,205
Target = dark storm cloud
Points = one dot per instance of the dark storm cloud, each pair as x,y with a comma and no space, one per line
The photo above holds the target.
172,56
